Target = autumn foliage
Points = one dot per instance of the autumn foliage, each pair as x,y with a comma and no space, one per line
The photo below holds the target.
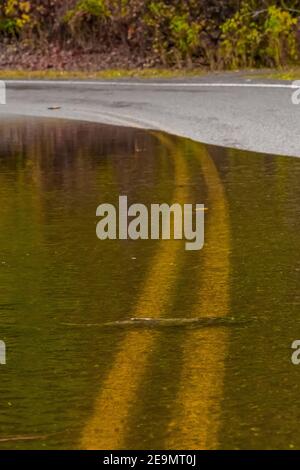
213,33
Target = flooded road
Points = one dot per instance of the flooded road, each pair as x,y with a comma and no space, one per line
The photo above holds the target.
68,385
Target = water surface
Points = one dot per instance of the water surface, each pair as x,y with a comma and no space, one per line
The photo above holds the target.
66,385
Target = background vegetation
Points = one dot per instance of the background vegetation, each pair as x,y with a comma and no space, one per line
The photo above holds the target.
214,33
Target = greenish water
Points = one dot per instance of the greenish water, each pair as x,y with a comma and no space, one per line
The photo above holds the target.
66,385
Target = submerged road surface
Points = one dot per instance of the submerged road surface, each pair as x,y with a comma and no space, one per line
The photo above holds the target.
223,110
229,386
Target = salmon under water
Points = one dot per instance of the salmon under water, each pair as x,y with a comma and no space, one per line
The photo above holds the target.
165,322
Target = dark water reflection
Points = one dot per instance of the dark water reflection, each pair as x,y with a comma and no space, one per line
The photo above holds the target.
78,387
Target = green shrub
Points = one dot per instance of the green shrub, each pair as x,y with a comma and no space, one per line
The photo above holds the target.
86,9
258,37
86,19
176,36
186,38
280,36
240,39
14,15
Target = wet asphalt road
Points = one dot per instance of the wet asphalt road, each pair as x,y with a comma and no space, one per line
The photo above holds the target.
227,110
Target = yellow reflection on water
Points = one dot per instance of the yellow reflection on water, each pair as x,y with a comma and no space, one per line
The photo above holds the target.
196,418
106,428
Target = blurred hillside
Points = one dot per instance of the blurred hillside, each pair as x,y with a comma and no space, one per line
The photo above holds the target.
100,34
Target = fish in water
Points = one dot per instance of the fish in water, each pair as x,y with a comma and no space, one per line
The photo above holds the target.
200,322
